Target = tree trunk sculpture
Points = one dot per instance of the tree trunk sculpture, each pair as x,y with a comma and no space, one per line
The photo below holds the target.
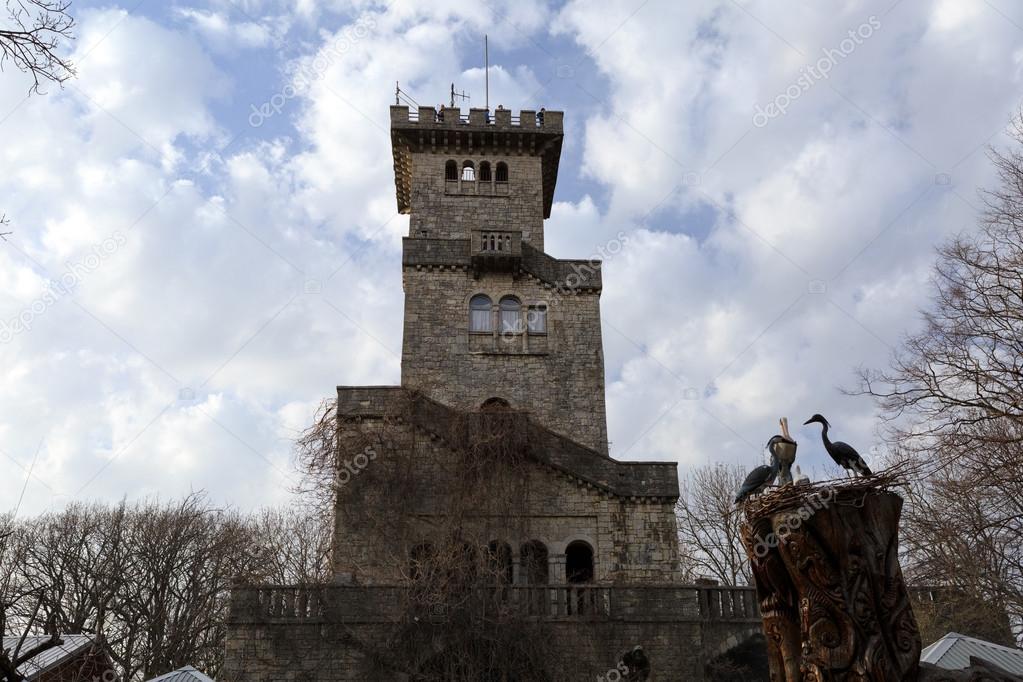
832,597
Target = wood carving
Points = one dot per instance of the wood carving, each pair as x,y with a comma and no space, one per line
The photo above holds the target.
834,603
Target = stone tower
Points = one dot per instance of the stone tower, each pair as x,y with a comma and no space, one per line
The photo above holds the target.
585,547
488,314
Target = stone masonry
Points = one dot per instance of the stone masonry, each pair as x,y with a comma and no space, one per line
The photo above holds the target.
478,188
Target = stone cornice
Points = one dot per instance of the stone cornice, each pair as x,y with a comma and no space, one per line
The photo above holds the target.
564,276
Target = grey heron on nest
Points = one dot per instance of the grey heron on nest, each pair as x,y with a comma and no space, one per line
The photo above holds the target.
758,479
844,454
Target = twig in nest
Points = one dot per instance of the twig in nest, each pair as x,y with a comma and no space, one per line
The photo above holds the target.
789,497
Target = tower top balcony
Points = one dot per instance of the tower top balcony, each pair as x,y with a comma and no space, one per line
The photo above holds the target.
500,132
527,120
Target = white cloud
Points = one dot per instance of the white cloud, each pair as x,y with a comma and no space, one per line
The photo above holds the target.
222,32
243,292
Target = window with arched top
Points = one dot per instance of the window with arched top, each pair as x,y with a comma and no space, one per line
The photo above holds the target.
502,172
468,172
484,171
511,315
579,562
479,313
451,170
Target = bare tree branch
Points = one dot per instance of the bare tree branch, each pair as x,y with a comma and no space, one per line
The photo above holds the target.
30,39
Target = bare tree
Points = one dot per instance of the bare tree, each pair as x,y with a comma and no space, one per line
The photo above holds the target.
185,556
31,39
152,579
708,525
952,401
292,546
965,369
961,534
19,605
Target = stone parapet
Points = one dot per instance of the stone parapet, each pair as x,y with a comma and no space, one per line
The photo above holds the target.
357,604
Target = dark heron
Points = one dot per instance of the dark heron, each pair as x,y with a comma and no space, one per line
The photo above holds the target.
844,454
757,480
784,449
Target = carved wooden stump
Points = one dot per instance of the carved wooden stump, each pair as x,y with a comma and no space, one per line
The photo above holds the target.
833,600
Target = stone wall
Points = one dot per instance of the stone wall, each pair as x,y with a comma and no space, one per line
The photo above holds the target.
587,651
634,539
331,634
558,376
444,209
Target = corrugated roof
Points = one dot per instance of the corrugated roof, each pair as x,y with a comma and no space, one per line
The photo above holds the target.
953,652
72,646
186,674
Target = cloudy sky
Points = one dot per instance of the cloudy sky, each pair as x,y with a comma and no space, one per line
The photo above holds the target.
205,238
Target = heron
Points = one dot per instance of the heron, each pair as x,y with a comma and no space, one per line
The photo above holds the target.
784,449
758,479
844,454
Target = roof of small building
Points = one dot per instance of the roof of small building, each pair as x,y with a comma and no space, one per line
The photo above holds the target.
186,674
73,646
953,652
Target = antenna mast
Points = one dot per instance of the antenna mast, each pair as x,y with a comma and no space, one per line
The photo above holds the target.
486,67
464,95
400,95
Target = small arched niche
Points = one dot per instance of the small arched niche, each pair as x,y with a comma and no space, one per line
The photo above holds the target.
495,405
579,562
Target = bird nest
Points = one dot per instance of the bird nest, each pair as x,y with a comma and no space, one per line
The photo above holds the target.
845,491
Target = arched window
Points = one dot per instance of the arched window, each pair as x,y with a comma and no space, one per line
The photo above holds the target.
451,170
468,172
536,318
533,560
579,562
511,315
479,313
495,405
502,172
484,171
500,556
